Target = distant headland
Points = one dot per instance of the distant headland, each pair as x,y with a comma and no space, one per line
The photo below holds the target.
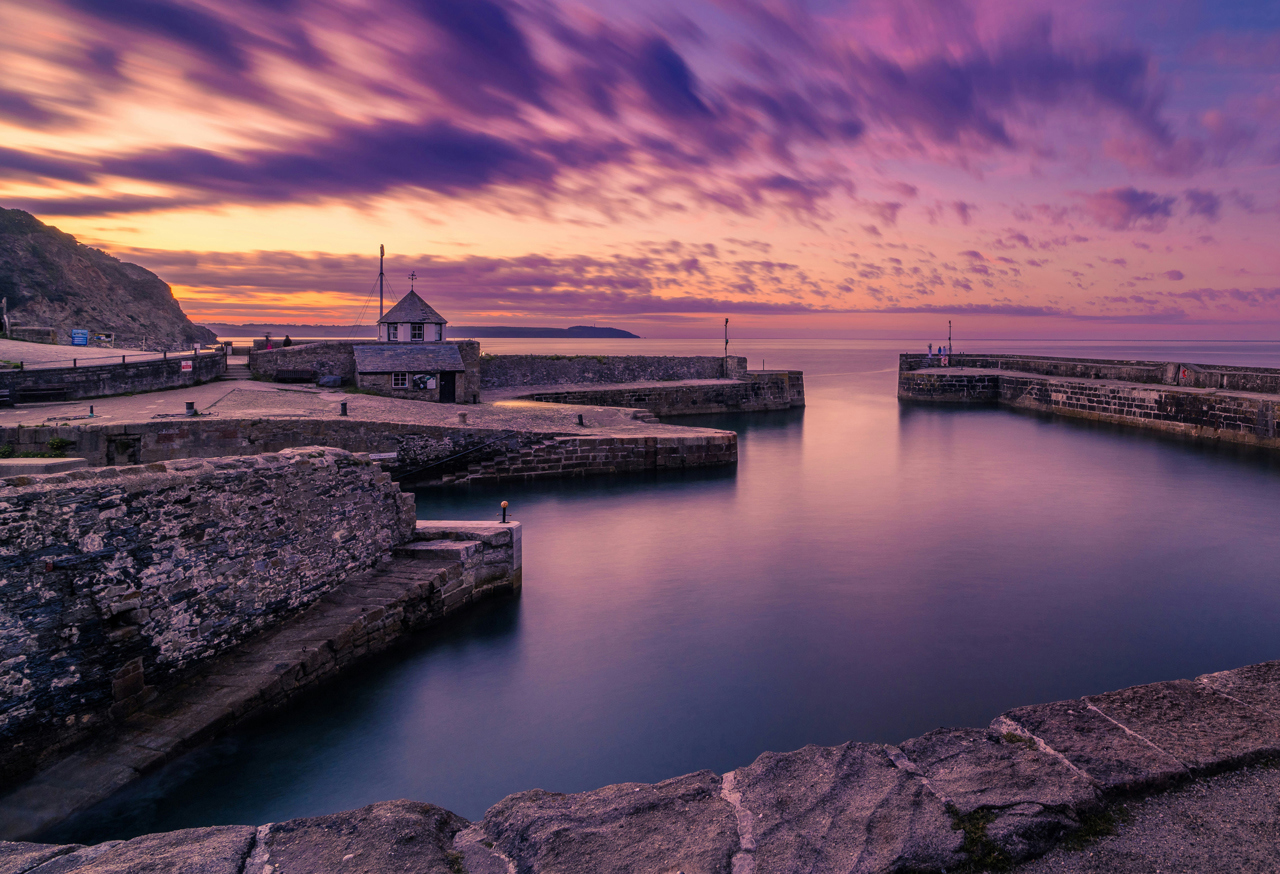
456,332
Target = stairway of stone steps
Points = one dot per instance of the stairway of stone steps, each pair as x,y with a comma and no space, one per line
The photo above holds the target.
423,581
499,464
237,371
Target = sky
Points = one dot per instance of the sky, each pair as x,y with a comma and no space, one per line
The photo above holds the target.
806,169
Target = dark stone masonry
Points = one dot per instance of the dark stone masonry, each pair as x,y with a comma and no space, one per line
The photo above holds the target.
1198,401
502,371
102,380
116,581
750,392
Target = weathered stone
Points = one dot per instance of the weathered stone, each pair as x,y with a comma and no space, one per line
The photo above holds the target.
215,850
678,825
401,836
1205,730
76,859
17,857
1258,685
1113,758
846,808
1031,798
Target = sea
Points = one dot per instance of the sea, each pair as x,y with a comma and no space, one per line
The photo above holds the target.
868,571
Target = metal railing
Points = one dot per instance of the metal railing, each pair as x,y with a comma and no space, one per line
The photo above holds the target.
109,360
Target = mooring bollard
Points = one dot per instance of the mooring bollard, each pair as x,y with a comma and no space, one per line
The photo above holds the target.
122,359
344,409
90,409
504,512
191,408
580,422
73,362
462,418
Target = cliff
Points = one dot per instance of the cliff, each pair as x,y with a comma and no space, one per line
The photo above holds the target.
52,280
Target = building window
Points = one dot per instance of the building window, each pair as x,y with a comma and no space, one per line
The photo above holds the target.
415,332
393,332
439,332
399,380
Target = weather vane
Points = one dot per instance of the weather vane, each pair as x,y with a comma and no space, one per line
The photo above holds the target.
412,277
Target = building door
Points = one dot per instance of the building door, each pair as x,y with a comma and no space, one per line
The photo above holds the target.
448,388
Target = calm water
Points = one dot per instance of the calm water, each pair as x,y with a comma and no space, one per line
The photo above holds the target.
867,572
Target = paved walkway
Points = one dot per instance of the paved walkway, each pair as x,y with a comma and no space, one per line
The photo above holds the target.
49,355
240,398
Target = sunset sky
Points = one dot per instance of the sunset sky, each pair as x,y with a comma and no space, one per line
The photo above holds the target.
827,169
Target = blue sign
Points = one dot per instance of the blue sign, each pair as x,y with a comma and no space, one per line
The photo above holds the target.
79,337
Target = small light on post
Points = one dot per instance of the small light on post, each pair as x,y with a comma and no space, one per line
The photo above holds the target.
504,512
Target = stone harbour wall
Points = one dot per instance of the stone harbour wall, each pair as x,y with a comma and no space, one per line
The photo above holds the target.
755,392
103,380
1262,380
423,452
587,456
444,568
1201,414
503,371
955,799
325,357
116,581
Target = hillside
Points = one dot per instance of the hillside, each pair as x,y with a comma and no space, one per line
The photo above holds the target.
53,281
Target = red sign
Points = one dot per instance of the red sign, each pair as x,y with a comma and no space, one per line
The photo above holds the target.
186,365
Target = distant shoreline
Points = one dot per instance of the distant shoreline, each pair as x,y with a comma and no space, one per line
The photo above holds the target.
460,332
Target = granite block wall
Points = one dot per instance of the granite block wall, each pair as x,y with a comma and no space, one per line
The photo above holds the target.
501,371
773,390
1233,417
115,581
325,357
102,380
583,456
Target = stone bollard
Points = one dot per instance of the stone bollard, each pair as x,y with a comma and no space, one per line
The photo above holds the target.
191,408
580,422
344,409
462,418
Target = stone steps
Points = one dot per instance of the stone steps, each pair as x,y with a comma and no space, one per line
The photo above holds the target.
237,371
439,550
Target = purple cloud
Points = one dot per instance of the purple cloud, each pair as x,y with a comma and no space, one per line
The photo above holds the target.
1124,208
1203,203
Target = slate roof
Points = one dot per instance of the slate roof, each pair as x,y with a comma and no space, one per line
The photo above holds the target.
408,357
413,309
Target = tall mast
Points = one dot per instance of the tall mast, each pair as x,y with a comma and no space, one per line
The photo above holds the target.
382,251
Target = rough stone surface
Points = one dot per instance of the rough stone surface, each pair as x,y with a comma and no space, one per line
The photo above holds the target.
677,825
17,857
1034,798
497,371
116,581
392,836
1203,729
101,379
752,392
1227,824
1258,685
214,850
845,808
1115,759
365,615
1167,397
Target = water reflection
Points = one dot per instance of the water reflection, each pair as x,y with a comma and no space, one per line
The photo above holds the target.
866,572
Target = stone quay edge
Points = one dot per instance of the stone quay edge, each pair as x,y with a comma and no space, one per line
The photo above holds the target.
951,800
